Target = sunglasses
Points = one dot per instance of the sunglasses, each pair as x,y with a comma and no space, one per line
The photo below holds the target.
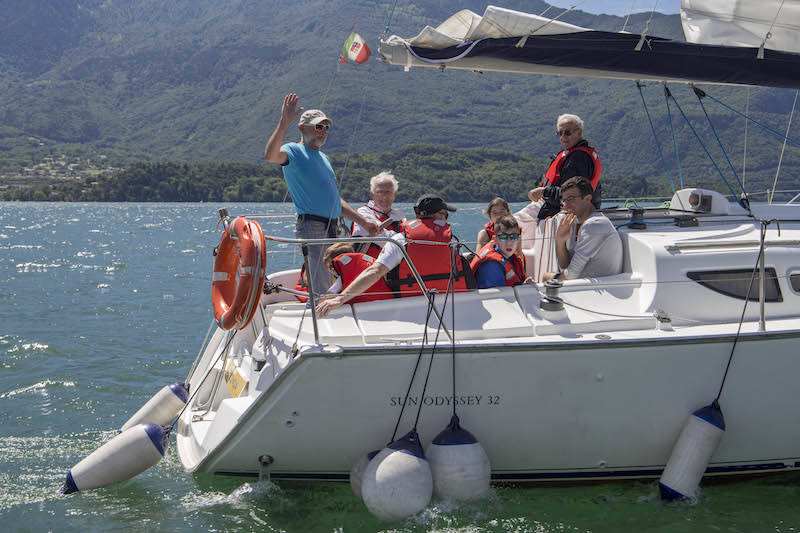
565,133
320,127
508,237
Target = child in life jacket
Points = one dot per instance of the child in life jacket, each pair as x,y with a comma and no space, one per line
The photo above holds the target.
499,263
346,265
497,209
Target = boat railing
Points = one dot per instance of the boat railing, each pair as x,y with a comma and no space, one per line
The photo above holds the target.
312,299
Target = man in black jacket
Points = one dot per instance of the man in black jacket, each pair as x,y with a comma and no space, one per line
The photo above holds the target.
576,158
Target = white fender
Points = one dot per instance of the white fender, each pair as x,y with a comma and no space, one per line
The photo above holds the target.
161,408
397,482
357,472
459,464
131,452
692,453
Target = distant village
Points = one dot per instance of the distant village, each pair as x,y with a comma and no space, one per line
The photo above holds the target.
57,169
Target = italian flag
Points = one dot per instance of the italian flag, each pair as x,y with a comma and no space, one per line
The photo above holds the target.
356,49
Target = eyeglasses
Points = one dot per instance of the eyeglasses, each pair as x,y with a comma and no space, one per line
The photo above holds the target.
508,236
569,199
565,133
320,127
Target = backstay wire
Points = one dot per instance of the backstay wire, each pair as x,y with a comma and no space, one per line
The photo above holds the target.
783,149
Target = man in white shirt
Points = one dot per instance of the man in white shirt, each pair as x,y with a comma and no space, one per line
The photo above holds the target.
382,191
587,244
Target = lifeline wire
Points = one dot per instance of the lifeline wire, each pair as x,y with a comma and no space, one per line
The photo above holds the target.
416,366
764,225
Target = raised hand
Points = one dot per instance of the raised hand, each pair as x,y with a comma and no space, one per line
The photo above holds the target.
290,111
565,227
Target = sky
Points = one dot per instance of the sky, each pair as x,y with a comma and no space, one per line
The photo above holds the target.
619,7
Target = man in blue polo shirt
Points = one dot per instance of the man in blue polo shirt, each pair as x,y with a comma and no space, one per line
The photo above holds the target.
312,183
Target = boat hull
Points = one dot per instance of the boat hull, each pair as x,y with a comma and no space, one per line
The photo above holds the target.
582,410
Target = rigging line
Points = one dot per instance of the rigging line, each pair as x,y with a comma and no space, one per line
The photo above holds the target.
783,149
766,128
389,19
667,95
655,137
433,350
764,225
768,35
633,3
416,367
453,266
202,347
702,144
744,150
200,385
700,94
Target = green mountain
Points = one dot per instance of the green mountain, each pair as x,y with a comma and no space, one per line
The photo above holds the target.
119,82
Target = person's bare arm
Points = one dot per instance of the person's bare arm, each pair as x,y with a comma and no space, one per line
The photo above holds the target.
563,233
364,281
483,239
289,112
352,214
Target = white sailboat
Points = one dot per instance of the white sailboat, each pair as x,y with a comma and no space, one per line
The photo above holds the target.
593,384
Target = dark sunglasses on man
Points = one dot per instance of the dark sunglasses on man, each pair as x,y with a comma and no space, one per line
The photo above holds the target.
320,127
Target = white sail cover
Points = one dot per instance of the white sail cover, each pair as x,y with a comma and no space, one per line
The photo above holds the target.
496,22
503,40
743,23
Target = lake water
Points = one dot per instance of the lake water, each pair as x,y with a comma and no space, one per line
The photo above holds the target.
103,304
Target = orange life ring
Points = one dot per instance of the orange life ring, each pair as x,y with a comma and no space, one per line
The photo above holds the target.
238,273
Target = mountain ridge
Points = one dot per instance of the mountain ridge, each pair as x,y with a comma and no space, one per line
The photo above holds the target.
195,81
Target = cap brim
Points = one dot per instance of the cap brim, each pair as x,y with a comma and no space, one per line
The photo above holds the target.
450,207
319,120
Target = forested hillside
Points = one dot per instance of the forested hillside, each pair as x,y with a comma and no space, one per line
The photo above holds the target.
460,175
118,83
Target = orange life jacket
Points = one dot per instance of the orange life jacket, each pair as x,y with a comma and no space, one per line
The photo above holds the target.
553,174
489,227
349,266
433,261
514,266
301,284
373,249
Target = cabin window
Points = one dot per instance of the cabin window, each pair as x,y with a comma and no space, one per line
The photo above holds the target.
794,280
734,283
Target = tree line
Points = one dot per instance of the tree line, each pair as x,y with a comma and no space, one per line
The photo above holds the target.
460,175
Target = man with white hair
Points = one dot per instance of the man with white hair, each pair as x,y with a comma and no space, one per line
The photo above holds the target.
382,191
576,158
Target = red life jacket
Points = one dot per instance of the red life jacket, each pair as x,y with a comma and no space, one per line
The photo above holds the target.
514,266
373,249
301,284
553,174
349,266
489,227
433,261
